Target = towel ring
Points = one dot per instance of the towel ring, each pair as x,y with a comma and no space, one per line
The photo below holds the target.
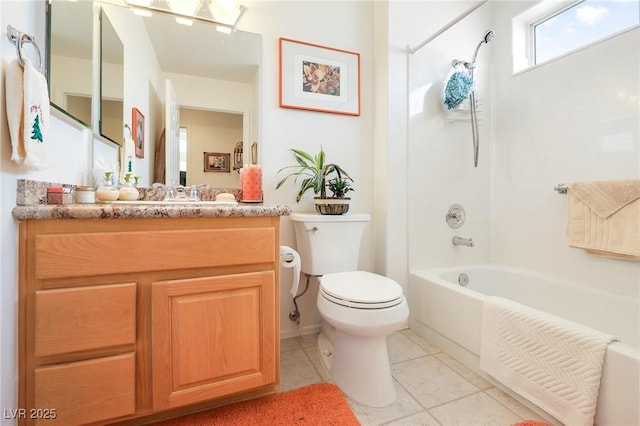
19,38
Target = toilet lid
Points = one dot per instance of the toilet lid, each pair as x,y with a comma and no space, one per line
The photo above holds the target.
361,287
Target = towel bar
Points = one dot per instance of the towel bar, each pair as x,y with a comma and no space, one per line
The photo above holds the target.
561,188
19,38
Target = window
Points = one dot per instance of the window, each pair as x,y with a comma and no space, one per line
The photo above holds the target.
579,24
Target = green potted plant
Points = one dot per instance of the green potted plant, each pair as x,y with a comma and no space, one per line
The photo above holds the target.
315,174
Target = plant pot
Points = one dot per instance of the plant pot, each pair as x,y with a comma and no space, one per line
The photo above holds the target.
332,206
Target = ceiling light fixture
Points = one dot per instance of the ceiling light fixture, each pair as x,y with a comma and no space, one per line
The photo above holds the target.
141,12
184,21
183,7
225,13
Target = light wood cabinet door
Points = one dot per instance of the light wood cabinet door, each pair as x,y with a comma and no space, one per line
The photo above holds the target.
213,336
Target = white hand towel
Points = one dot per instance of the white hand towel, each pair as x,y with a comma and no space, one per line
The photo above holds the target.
27,99
36,117
14,91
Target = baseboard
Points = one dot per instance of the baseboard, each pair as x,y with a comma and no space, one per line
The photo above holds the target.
303,331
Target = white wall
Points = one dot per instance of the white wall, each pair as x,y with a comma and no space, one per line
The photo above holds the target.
572,119
440,161
345,139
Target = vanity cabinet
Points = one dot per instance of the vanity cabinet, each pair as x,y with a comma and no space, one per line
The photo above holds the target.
131,320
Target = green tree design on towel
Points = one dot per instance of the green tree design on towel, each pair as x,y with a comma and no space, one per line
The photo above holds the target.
37,133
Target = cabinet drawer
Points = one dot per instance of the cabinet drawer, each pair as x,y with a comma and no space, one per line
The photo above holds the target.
86,391
70,320
101,253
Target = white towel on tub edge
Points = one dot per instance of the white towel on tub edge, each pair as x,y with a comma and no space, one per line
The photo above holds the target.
552,362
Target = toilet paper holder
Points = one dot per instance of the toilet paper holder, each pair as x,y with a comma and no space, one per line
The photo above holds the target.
290,259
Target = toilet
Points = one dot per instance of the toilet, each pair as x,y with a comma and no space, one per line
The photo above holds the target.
358,308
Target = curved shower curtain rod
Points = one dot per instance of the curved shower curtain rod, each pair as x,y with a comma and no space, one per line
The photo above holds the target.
459,18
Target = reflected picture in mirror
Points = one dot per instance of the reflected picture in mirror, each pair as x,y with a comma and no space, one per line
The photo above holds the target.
138,131
217,162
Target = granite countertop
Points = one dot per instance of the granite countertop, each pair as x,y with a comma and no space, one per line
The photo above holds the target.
32,195
127,211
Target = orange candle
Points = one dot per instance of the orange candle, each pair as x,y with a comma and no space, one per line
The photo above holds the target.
251,183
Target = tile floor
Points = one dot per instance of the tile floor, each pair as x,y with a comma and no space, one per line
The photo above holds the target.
433,388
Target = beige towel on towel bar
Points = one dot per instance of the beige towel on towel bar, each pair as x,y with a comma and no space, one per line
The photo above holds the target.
604,218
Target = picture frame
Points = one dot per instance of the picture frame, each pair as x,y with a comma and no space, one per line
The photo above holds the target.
319,78
137,120
217,162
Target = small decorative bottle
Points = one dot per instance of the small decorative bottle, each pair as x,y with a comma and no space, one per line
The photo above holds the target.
127,191
107,192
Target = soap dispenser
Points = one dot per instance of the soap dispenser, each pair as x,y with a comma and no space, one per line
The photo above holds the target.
106,192
127,191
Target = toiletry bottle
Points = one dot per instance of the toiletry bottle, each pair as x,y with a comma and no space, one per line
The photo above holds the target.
107,192
127,191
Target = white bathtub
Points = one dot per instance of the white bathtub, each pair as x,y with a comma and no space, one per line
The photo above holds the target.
450,315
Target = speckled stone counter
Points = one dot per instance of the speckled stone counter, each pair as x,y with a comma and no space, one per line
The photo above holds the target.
114,211
31,206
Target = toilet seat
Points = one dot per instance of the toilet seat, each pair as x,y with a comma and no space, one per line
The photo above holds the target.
360,289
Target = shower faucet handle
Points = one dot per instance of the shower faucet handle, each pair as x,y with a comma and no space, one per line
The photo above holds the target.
455,216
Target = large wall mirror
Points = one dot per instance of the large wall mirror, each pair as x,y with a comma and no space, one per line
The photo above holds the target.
69,58
213,74
111,121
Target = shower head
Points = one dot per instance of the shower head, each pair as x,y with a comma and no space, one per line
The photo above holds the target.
488,36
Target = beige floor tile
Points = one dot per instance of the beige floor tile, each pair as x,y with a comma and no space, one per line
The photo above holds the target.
464,371
432,389
308,340
404,406
478,409
424,344
430,381
422,419
401,348
514,405
290,344
314,356
296,370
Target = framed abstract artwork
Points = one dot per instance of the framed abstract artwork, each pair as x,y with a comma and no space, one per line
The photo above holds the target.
319,78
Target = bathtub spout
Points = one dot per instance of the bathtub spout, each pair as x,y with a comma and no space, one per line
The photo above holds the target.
459,241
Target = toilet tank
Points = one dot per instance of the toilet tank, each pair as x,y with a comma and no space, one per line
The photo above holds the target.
328,243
